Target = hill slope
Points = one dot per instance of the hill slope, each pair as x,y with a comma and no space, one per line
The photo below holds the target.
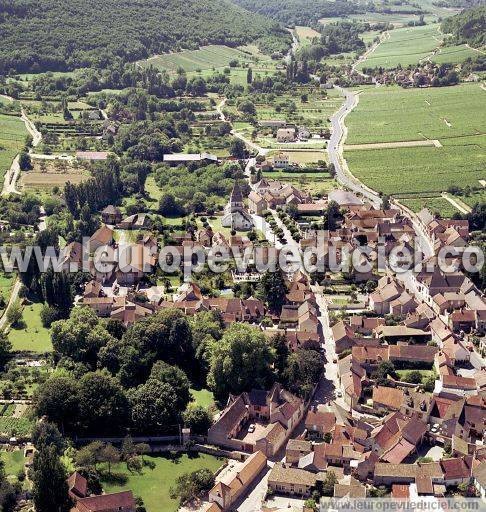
467,27
298,12
59,34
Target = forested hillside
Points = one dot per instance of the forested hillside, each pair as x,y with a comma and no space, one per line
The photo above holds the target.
298,12
59,34
467,27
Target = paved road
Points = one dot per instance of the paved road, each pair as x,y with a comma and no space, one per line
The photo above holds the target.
12,174
335,149
13,298
248,142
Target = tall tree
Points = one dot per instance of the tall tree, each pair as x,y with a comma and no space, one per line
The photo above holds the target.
49,485
239,361
272,290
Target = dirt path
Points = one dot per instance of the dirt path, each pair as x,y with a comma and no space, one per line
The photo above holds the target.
390,145
457,203
248,142
383,37
476,49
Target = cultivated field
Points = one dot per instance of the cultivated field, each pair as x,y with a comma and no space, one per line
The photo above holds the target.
47,174
306,157
454,54
456,116
435,204
405,46
208,57
391,114
12,139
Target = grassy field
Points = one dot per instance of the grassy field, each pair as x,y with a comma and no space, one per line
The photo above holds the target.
6,283
49,173
313,113
12,139
475,197
422,169
208,57
32,336
203,397
14,462
405,46
153,485
456,116
305,35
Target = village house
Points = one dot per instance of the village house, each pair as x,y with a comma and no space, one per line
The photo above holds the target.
296,449
291,481
258,420
256,203
281,161
115,502
135,261
233,485
175,159
387,399
136,221
100,238
320,422
111,215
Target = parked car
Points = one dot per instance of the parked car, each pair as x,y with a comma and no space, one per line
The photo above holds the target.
251,428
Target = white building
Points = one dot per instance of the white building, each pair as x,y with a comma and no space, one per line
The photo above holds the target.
235,215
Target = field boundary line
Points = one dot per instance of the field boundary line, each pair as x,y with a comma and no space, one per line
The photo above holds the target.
393,145
457,203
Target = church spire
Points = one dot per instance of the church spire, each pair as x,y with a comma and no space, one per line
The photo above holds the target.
236,197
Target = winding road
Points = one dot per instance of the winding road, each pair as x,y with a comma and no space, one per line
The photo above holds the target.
335,149
12,174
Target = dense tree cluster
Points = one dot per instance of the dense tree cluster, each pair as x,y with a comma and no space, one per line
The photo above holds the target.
194,188
299,12
109,380
118,28
467,27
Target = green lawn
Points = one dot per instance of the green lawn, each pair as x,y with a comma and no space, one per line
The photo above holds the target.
6,283
14,461
424,373
153,485
33,337
203,397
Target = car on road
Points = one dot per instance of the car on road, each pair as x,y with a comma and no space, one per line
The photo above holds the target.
339,394
334,360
